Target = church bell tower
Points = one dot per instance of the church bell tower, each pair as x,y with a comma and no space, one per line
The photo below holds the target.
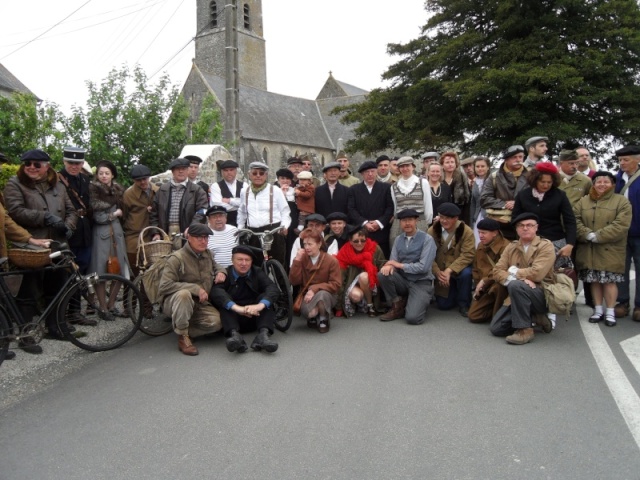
210,40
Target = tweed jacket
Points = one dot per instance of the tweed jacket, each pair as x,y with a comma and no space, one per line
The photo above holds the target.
536,264
136,206
193,206
500,187
10,230
486,258
328,276
459,256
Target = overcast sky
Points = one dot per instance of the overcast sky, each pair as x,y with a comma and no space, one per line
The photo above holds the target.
78,40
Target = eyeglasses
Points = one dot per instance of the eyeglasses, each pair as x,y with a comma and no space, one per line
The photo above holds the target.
29,163
527,225
258,173
359,241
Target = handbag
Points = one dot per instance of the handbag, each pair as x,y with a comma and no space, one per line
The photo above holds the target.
297,304
113,264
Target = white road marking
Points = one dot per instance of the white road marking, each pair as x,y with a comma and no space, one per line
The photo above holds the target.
621,389
631,347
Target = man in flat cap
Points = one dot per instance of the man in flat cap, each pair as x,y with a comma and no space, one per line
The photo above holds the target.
224,237
331,196
307,166
263,208
294,165
384,170
346,178
501,187
522,267
456,250
178,202
226,192
627,184
488,295
407,279
244,300
137,203
370,205
184,288
536,148
194,171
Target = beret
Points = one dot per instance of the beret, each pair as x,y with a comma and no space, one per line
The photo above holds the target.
381,158
179,163
73,154
488,224
199,230
259,166
283,172
294,160
546,167
568,155
140,171
193,159
247,250
430,155
315,217
408,213
305,176
628,150
405,161
35,155
604,173
467,161
351,229
524,216
534,140
228,164
368,165
449,209
330,165
337,216
216,209
107,164
512,150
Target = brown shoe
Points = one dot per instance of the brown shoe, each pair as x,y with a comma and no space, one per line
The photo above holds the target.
323,325
543,322
397,311
636,314
521,336
185,345
621,310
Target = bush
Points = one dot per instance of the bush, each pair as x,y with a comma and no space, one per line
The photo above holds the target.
8,171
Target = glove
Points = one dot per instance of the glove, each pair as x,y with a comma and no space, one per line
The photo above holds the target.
50,219
592,237
68,233
60,227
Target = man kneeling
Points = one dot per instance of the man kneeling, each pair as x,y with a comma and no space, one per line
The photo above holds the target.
244,300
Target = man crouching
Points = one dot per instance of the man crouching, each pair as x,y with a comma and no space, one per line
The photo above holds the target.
524,264
184,288
244,299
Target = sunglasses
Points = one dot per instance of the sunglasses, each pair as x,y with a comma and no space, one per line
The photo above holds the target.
358,241
28,163
258,173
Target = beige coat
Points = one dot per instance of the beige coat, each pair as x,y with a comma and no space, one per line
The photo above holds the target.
10,230
535,265
136,211
457,257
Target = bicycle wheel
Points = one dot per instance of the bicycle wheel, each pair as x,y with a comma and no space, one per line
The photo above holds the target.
5,331
109,332
154,322
284,304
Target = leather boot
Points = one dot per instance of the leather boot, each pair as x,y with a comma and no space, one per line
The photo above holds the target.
521,336
397,310
262,341
235,342
185,345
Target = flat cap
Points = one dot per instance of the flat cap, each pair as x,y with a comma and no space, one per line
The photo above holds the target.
368,165
330,165
74,154
35,155
408,213
467,161
341,154
512,150
199,230
337,216
534,140
627,151
382,158
258,166
488,224
179,163
193,159
228,164
405,161
449,209
305,176
216,209
294,160
426,155
140,171
315,217
568,155
524,216
283,172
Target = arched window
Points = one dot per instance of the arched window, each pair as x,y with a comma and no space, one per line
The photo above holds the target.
247,22
265,155
213,14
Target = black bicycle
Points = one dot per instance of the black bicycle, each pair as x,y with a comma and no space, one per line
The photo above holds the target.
77,297
276,272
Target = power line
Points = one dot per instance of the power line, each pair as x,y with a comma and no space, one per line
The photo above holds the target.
159,32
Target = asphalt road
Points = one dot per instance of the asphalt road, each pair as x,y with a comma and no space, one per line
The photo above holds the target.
368,400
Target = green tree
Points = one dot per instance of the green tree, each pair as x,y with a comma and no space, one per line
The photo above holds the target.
208,128
26,124
487,74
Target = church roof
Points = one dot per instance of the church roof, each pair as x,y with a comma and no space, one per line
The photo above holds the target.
9,83
351,90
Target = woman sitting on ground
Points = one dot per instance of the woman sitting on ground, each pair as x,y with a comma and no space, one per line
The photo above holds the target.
360,259
319,274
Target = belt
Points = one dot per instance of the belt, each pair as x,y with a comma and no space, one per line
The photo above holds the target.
264,228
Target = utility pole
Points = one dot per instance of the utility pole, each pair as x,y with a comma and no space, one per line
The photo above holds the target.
232,122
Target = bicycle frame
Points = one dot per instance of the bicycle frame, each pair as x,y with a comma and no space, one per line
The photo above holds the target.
265,238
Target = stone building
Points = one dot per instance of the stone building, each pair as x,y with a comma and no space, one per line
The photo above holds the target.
273,127
9,84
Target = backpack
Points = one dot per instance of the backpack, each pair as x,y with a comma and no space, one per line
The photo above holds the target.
151,278
560,295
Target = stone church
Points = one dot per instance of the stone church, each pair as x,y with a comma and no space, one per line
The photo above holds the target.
273,127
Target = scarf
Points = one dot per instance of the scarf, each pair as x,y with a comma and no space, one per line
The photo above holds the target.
257,190
405,186
348,257
595,196
384,179
537,195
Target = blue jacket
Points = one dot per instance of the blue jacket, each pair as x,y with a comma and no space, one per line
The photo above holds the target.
633,193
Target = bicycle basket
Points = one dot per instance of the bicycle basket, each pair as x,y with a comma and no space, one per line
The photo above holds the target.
149,252
29,258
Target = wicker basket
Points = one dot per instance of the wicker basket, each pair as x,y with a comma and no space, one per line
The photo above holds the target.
149,252
27,258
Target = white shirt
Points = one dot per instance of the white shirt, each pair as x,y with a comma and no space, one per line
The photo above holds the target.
256,214
216,196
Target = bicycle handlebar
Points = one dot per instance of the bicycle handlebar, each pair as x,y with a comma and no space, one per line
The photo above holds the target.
245,231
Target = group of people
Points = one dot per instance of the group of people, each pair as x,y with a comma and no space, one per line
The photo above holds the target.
456,235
